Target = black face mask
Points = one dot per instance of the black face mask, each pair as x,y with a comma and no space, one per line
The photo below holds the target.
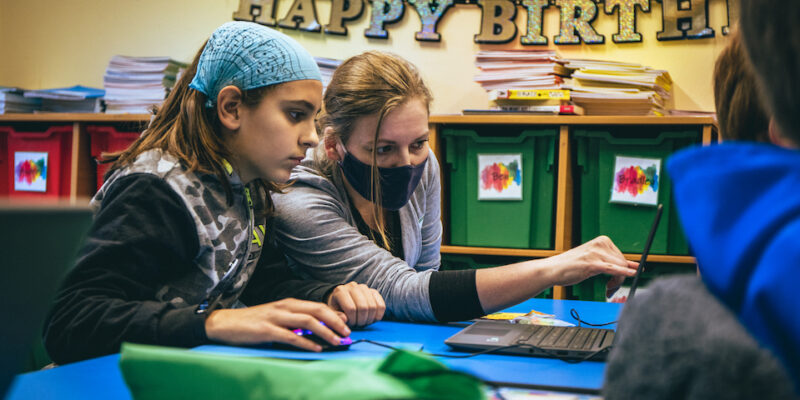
397,184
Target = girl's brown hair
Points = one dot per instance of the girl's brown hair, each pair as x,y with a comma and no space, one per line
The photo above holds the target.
367,84
183,127
740,113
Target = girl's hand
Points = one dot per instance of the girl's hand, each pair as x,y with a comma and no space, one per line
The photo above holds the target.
273,322
597,256
358,302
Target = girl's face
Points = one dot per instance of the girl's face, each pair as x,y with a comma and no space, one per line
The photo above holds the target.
273,137
402,140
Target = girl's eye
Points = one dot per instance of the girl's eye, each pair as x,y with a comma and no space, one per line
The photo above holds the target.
296,115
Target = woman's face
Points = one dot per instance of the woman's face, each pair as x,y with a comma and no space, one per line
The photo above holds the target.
402,140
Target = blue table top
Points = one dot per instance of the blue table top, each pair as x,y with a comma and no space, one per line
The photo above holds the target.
101,377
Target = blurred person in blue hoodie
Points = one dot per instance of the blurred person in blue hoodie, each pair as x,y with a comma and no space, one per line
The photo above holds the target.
739,202
716,338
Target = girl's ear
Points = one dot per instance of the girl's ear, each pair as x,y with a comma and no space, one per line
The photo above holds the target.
229,102
332,146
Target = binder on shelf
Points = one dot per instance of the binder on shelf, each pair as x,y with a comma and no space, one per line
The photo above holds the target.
523,94
559,109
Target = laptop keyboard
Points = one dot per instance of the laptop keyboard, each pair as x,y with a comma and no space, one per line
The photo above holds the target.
573,338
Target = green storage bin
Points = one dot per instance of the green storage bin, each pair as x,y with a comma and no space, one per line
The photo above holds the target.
594,289
627,224
452,262
519,223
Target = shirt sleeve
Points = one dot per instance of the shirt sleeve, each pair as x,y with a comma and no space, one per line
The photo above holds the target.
454,296
312,229
141,237
430,254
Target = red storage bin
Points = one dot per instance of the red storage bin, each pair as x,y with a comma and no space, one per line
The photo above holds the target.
5,165
39,162
107,139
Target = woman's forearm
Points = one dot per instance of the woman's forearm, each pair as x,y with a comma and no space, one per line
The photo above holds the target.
501,287
504,286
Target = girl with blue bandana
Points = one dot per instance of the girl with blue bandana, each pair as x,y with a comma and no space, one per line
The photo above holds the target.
182,235
375,183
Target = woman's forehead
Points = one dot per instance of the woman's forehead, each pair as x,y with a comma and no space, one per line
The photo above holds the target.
405,123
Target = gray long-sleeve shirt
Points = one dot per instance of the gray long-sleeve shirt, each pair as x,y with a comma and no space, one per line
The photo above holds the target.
317,230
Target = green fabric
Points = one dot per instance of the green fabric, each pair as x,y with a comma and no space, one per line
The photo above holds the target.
153,372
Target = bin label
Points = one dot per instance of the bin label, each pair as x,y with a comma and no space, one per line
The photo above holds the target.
500,176
30,171
636,180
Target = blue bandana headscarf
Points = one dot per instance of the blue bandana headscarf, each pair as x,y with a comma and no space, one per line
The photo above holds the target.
248,56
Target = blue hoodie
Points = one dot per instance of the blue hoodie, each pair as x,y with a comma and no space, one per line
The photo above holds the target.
739,204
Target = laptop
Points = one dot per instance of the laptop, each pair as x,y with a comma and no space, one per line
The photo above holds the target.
546,341
38,244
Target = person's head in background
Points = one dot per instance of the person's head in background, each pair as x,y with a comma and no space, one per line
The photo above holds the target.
771,35
248,100
740,113
374,124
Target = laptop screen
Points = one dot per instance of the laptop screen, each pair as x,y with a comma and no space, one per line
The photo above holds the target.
646,250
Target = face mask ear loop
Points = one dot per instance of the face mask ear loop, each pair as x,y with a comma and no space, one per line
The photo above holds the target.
340,146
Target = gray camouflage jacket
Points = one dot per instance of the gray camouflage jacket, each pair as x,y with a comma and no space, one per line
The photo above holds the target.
164,248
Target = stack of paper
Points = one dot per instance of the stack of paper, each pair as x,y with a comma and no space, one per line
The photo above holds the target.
326,68
138,84
519,69
617,88
75,99
12,100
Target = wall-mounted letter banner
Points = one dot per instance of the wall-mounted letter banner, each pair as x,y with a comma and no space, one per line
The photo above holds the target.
680,19
30,171
636,180
500,176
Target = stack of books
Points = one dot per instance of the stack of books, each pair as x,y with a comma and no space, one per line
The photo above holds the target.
13,100
617,88
530,101
326,68
75,99
519,69
138,84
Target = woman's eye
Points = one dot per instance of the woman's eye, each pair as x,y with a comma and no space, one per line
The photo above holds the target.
419,145
384,149
296,115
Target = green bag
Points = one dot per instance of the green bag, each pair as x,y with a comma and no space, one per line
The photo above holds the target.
153,372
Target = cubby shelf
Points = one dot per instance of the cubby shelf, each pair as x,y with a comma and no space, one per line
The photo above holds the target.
564,210
82,174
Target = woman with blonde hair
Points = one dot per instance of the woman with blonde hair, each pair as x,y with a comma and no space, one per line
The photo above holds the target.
366,208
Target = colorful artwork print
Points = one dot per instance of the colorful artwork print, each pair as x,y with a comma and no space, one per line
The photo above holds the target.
500,177
30,171
636,180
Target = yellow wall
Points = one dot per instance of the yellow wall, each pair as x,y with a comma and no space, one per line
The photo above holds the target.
49,43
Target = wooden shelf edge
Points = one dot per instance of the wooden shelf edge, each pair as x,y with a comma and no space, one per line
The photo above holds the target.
570,119
72,117
498,251
492,251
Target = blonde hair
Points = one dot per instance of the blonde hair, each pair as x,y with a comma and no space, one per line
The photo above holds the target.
185,128
367,84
